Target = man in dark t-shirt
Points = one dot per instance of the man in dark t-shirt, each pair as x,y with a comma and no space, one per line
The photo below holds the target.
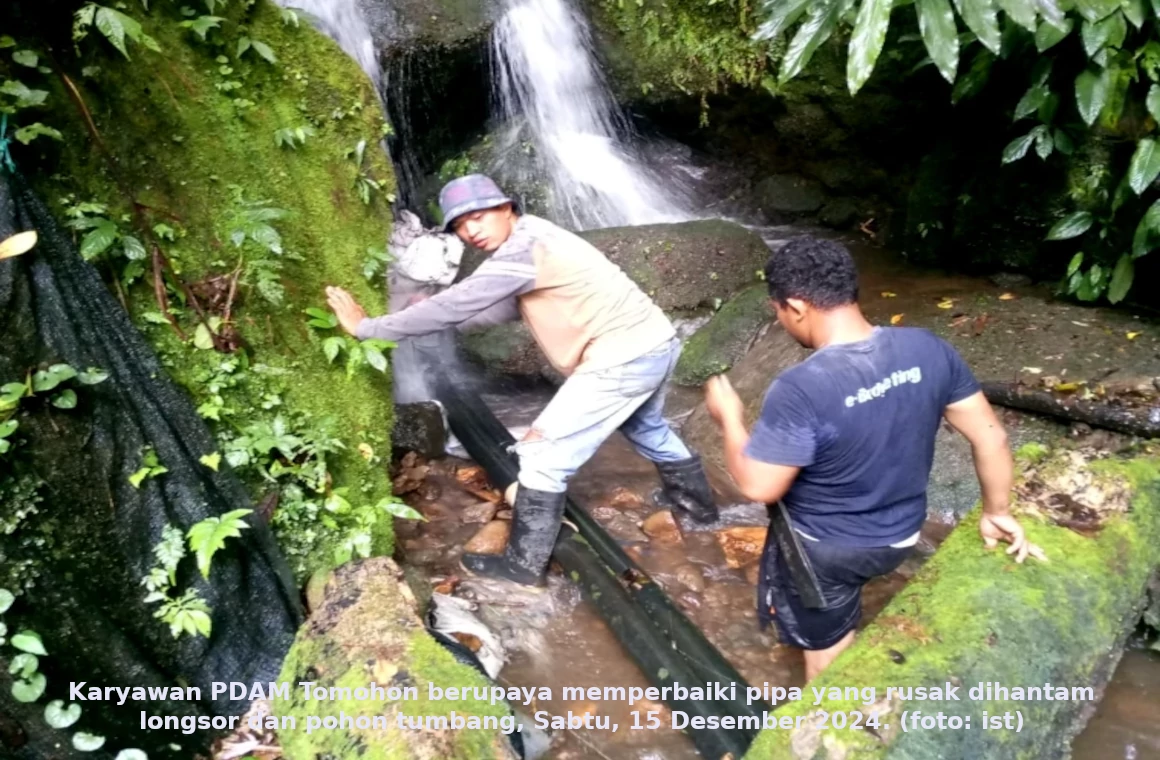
846,440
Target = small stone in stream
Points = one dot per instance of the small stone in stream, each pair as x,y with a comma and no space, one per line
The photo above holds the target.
491,538
623,528
447,586
690,600
622,498
480,513
741,545
691,578
468,640
503,514
604,514
662,528
419,427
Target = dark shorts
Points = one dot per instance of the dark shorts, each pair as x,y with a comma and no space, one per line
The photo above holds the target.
841,573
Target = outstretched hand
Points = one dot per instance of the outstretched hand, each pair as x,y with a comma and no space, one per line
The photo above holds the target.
347,310
996,528
722,402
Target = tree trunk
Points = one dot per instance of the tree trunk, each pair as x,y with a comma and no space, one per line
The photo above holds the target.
1141,421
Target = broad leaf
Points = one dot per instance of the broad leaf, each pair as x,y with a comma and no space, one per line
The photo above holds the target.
1153,102
24,665
1031,101
92,376
972,83
6,600
85,742
1121,279
980,17
25,97
375,358
866,41
66,399
265,51
1022,12
816,29
1053,14
1096,10
1091,93
1147,231
782,16
30,690
209,535
7,428
1119,80
1072,225
134,248
1134,11
111,24
212,461
332,346
1075,264
1109,32
1048,35
936,21
29,641
1017,148
131,754
47,379
26,58
99,239
27,134
202,337
203,24
58,716
399,509
1145,165
1043,142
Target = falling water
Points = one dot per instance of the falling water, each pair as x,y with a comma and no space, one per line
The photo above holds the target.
553,99
343,22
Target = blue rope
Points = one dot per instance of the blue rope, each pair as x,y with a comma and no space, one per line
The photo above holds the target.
5,155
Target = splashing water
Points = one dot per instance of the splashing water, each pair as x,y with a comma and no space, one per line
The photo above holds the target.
551,93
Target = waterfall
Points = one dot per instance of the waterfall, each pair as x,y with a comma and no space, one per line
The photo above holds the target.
553,99
343,22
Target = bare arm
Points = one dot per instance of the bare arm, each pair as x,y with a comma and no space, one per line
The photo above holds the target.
976,420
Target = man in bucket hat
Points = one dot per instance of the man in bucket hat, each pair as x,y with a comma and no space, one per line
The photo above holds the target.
614,345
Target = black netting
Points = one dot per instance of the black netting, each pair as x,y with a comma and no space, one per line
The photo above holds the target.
91,542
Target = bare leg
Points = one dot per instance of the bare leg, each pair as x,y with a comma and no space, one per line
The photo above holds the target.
818,660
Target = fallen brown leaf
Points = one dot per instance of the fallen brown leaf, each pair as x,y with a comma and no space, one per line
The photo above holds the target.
946,303
980,323
1007,297
888,294
896,319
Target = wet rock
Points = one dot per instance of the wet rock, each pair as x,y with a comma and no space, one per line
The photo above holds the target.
691,578
725,339
419,427
605,513
839,213
717,596
789,194
480,513
662,528
741,545
503,514
623,528
690,600
491,539
622,498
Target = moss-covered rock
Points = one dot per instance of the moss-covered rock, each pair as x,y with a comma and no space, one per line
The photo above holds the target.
180,146
720,343
971,616
367,631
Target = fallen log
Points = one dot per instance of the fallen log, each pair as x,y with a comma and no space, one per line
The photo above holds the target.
1142,420
972,617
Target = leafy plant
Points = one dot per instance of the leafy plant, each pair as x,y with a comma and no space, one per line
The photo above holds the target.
104,239
263,254
364,183
375,262
288,137
210,535
114,25
150,468
44,382
246,44
358,353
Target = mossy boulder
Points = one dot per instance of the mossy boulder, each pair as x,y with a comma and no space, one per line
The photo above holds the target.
972,616
367,630
726,338
686,268
181,147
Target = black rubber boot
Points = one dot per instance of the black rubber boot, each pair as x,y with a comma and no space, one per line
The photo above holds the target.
536,519
686,489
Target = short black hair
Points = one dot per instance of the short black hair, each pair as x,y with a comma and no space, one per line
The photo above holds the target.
819,272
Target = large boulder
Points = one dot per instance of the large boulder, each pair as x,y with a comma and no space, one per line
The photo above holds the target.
783,196
726,338
367,630
688,268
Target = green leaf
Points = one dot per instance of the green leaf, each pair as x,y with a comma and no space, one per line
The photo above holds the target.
1031,101
1134,11
1072,225
6,429
1121,279
202,337
6,600
1145,165
264,50
58,716
131,754
1119,80
981,19
397,508
26,58
1146,231
85,742
136,478
66,399
30,690
92,376
782,15
866,41
209,535
1022,12
1107,33
6,42
98,240
243,45
212,461
971,83
25,97
203,24
47,379
29,641
820,23
1017,148
1048,35
1096,10
332,346
1076,263
1153,101
1091,93
375,358
134,248
27,134
111,24
24,664
1043,142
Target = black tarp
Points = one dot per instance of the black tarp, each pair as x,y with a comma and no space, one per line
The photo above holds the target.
93,537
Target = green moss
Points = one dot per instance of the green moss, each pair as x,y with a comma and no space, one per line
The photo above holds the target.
189,154
972,615
725,338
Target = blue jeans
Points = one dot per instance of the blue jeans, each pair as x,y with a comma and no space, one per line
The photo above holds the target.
590,407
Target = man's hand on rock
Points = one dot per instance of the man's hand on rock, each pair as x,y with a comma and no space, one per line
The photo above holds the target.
722,402
996,528
346,308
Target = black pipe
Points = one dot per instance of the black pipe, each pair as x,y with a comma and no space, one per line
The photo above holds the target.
477,423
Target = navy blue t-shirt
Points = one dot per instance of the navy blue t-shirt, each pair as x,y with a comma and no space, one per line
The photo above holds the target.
860,419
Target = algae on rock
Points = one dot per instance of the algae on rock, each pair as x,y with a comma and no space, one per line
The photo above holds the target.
182,148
